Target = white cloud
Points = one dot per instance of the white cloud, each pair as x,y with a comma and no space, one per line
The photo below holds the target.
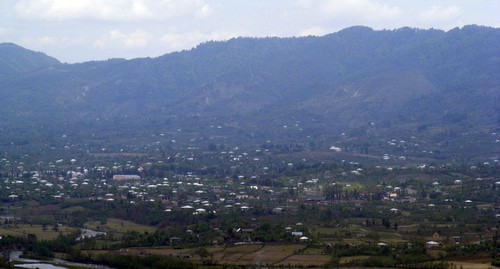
121,40
362,9
440,14
46,41
305,3
314,31
59,10
166,9
99,44
138,38
140,9
75,41
204,11
110,10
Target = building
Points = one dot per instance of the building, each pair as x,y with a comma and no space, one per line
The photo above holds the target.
126,177
432,244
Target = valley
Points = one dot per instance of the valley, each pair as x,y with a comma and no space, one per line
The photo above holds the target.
361,148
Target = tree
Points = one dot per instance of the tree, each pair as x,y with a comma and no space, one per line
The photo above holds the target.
202,252
386,223
212,147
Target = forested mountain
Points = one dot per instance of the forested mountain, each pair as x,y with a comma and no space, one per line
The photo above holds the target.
372,86
16,60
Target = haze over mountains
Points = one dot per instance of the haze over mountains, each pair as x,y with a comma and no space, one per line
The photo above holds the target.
357,88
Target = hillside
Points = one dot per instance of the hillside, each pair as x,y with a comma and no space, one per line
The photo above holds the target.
443,88
16,60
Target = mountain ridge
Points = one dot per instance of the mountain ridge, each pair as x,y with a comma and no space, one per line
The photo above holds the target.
401,80
16,60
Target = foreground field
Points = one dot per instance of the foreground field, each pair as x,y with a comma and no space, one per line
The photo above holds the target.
41,232
270,256
263,255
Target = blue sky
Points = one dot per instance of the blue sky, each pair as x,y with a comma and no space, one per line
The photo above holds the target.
84,30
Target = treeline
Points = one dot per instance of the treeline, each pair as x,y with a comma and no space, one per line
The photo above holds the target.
142,262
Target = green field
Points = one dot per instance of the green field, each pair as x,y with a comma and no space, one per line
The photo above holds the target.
41,234
119,226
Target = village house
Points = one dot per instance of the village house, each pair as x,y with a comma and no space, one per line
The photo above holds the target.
126,177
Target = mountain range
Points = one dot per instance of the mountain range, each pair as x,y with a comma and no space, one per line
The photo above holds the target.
357,88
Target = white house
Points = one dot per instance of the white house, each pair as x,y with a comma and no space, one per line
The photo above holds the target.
432,244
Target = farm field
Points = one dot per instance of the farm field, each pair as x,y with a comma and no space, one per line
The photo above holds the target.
119,226
41,233
288,256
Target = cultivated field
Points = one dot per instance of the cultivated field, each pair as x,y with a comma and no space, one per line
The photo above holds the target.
119,226
49,233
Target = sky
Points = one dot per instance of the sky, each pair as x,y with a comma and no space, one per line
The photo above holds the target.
83,30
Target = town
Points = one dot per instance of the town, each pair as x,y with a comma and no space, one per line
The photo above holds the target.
260,206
